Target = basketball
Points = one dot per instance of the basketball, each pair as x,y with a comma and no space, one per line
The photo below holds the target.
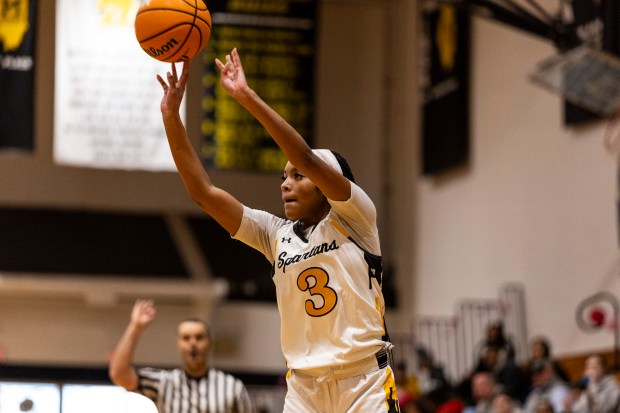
172,30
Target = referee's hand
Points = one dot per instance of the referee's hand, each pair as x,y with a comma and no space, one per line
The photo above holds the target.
143,313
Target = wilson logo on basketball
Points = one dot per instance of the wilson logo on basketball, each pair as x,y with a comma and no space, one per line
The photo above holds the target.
162,50
184,22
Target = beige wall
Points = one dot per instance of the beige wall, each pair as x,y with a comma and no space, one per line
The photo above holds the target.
535,206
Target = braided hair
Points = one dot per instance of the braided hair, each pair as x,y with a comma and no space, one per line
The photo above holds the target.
344,165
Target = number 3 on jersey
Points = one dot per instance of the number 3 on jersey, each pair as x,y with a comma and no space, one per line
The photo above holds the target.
318,288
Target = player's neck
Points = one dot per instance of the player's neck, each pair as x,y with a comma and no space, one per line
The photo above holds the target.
310,222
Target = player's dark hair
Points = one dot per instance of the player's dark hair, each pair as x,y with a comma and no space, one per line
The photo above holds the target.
344,165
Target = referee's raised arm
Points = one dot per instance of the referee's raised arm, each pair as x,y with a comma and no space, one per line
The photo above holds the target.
120,369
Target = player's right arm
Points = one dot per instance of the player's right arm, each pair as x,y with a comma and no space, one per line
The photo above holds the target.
219,204
120,369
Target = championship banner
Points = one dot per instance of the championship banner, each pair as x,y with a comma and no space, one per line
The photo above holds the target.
276,42
445,85
107,98
17,31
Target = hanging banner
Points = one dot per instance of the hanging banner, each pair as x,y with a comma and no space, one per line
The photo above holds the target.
445,84
276,42
17,29
106,109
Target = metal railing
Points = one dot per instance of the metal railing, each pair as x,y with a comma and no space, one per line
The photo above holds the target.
453,341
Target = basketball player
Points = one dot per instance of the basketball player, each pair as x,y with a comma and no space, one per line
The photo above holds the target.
325,255
194,388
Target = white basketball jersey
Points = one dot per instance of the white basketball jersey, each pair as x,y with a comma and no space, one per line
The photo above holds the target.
328,282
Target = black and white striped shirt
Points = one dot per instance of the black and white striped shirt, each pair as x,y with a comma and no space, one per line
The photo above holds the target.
173,391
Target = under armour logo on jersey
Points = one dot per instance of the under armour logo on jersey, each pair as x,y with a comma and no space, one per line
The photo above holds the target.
286,240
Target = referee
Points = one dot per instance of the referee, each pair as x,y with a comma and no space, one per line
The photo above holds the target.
194,389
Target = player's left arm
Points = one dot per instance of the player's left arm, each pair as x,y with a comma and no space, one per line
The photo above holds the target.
333,184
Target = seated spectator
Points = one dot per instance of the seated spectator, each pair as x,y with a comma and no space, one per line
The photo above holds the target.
487,362
544,406
430,375
504,403
600,392
511,377
483,390
451,406
406,384
424,404
496,337
495,353
576,390
540,348
546,385
409,406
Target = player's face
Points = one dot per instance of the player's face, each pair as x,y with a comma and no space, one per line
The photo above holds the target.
193,344
302,199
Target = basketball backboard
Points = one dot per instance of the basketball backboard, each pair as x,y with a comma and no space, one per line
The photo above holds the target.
586,33
585,77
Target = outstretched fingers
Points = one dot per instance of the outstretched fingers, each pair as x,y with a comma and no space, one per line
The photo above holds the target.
236,60
163,83
219,63
171,77
184,73
225,68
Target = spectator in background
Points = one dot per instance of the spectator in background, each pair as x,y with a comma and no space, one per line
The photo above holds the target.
495,353
483,390
421,405
497,338
511,377
430,375
600,392
504,403
436,393
540,348
406,384
546,385
453,405
544,406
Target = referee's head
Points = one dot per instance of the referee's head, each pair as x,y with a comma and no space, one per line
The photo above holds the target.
193,343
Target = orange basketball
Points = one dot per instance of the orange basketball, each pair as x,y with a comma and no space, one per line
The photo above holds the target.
171,30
